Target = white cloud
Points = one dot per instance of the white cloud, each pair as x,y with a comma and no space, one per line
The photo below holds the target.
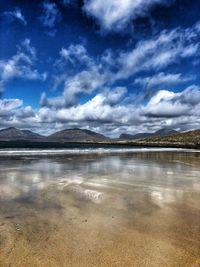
25,112
107,113
7,106
113,96
113,15
153,54
16,14
159,52
14,113
84,82
191,95
107,110
26,47
148,55
103,107
51,14
79,73
169,104
162,79
75,54
20,65
110,108
162,105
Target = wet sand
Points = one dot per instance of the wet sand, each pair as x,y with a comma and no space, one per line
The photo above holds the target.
136,209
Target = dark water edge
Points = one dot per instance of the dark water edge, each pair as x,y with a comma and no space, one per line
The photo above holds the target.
42,145
112,144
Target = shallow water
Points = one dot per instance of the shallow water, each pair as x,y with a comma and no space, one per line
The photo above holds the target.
139,208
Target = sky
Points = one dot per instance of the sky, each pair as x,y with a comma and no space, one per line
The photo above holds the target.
115,66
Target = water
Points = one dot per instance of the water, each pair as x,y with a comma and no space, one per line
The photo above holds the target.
88,150
100,207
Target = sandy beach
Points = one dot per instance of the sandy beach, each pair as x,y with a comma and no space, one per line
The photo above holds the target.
131,209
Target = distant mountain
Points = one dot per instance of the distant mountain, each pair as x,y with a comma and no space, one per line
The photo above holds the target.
133,137
16,138
12,133
189,139
186,137
76,135
168,138
68,135
164,132
161,132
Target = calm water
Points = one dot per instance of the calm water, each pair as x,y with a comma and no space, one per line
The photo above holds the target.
61,208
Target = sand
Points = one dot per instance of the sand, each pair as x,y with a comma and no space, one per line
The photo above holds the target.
71,217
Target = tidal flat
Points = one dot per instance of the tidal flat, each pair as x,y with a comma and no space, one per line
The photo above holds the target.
137,208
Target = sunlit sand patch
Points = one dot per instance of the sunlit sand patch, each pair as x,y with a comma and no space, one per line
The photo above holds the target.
93,195
164,196
62,182
8,192
86,194
73,184
169,172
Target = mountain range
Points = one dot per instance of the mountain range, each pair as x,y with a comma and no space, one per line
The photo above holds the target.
67,135
165,137
73,135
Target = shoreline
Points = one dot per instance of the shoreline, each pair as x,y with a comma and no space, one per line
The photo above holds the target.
118,144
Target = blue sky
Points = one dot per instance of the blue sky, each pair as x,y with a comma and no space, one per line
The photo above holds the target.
112,67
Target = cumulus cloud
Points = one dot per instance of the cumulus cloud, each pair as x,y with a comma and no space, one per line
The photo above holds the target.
75,54
153,54
159,52
14,113
79,74
190,96
25,112
113,96
84,82
107,113
168,104
107,110
162,78
162,105
114,15
16,14
20,65
8,106
50,14
104,107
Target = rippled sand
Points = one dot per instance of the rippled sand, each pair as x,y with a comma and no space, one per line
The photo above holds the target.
140,209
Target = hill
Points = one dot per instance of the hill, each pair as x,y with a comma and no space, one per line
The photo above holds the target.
191,137
76,135
12,133
161,132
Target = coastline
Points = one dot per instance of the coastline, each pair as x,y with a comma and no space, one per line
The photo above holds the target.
116,144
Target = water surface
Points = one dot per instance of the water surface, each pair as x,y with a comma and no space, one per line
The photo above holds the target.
91,208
